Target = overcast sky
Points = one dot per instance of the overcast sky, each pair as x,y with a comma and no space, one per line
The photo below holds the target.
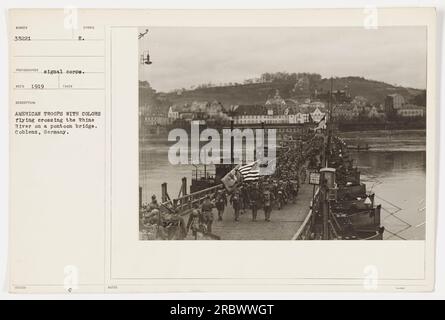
183,57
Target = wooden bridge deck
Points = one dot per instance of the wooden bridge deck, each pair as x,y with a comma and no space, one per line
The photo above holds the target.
283,225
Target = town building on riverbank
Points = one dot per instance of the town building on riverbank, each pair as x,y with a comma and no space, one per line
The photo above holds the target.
255,114
345,112
393,102
154,116
396,106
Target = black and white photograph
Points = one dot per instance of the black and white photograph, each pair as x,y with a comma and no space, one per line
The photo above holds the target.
237,152
296,133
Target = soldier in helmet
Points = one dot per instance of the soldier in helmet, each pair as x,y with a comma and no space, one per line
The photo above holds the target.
153,204
220,202
245,201
207,213
195,222
255,200
154,224
235,200
177,228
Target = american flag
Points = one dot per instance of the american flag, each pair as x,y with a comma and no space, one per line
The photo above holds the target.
250,171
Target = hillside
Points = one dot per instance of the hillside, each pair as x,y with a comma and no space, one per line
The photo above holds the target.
258,93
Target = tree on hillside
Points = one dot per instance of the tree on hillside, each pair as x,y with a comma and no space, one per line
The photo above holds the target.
148,97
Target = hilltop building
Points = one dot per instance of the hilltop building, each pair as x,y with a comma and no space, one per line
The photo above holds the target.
173,113
276,104
154,116
338,96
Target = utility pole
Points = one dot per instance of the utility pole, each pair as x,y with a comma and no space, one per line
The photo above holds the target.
324,187
232,156
263,147
329,126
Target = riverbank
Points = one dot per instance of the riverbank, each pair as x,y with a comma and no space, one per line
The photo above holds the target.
395,169
388,140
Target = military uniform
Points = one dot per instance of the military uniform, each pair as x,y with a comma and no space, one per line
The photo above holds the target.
195,223
207,214
153,204
236,204
221,202
244,198
255,198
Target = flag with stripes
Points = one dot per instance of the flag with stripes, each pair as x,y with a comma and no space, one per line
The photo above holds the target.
250,171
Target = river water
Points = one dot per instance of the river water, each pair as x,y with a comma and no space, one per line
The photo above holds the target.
393,168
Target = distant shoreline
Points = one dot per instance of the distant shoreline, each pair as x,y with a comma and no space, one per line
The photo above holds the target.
407,140
374,131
